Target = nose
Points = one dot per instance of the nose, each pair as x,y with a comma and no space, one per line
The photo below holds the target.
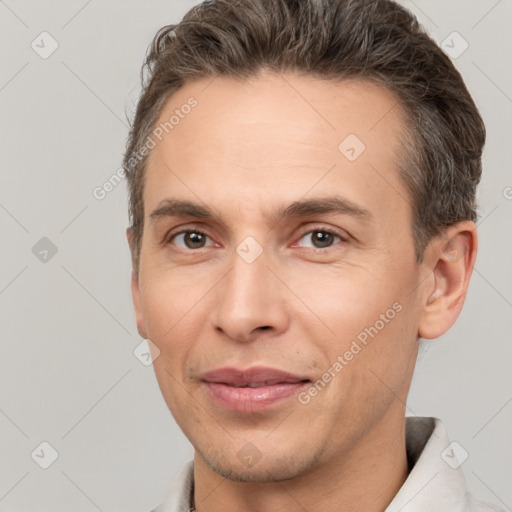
250,301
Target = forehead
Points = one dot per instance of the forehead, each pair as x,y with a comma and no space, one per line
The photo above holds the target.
293,106
277,132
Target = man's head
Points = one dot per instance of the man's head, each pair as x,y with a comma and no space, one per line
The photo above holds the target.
263,125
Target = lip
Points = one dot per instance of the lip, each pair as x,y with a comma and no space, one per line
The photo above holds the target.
251,390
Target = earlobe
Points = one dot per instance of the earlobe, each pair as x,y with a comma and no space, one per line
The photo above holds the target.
451,258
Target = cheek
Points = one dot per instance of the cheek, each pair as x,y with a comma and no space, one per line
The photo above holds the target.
345,301
368,369
175,304
170,300
363,319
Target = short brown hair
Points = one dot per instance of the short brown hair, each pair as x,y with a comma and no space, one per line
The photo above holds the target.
376,40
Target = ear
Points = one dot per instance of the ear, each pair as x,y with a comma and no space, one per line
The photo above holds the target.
136,295
451,258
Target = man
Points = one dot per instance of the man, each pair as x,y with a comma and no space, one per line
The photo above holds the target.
302,183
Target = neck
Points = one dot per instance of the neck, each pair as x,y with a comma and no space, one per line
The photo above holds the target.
367,476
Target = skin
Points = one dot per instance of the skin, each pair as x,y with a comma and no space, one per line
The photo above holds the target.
246,150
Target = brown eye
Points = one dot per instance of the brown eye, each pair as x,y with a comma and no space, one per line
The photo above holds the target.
320,239
190,239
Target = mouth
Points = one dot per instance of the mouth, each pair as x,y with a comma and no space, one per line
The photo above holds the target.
262,384
251,390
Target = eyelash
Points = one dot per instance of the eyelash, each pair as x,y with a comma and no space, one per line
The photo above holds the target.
322,229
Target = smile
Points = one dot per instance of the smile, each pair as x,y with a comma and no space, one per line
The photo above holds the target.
251,390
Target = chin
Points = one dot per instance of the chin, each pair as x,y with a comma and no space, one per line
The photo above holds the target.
261,469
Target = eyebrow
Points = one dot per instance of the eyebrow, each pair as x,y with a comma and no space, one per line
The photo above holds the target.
301,208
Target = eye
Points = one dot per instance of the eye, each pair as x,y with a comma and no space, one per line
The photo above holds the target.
318,238
321,238
189,239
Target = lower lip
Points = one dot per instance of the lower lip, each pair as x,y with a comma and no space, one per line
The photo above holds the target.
252,399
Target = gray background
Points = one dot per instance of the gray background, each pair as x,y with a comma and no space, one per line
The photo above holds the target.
68,375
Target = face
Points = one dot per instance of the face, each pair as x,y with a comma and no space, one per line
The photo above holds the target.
277,275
